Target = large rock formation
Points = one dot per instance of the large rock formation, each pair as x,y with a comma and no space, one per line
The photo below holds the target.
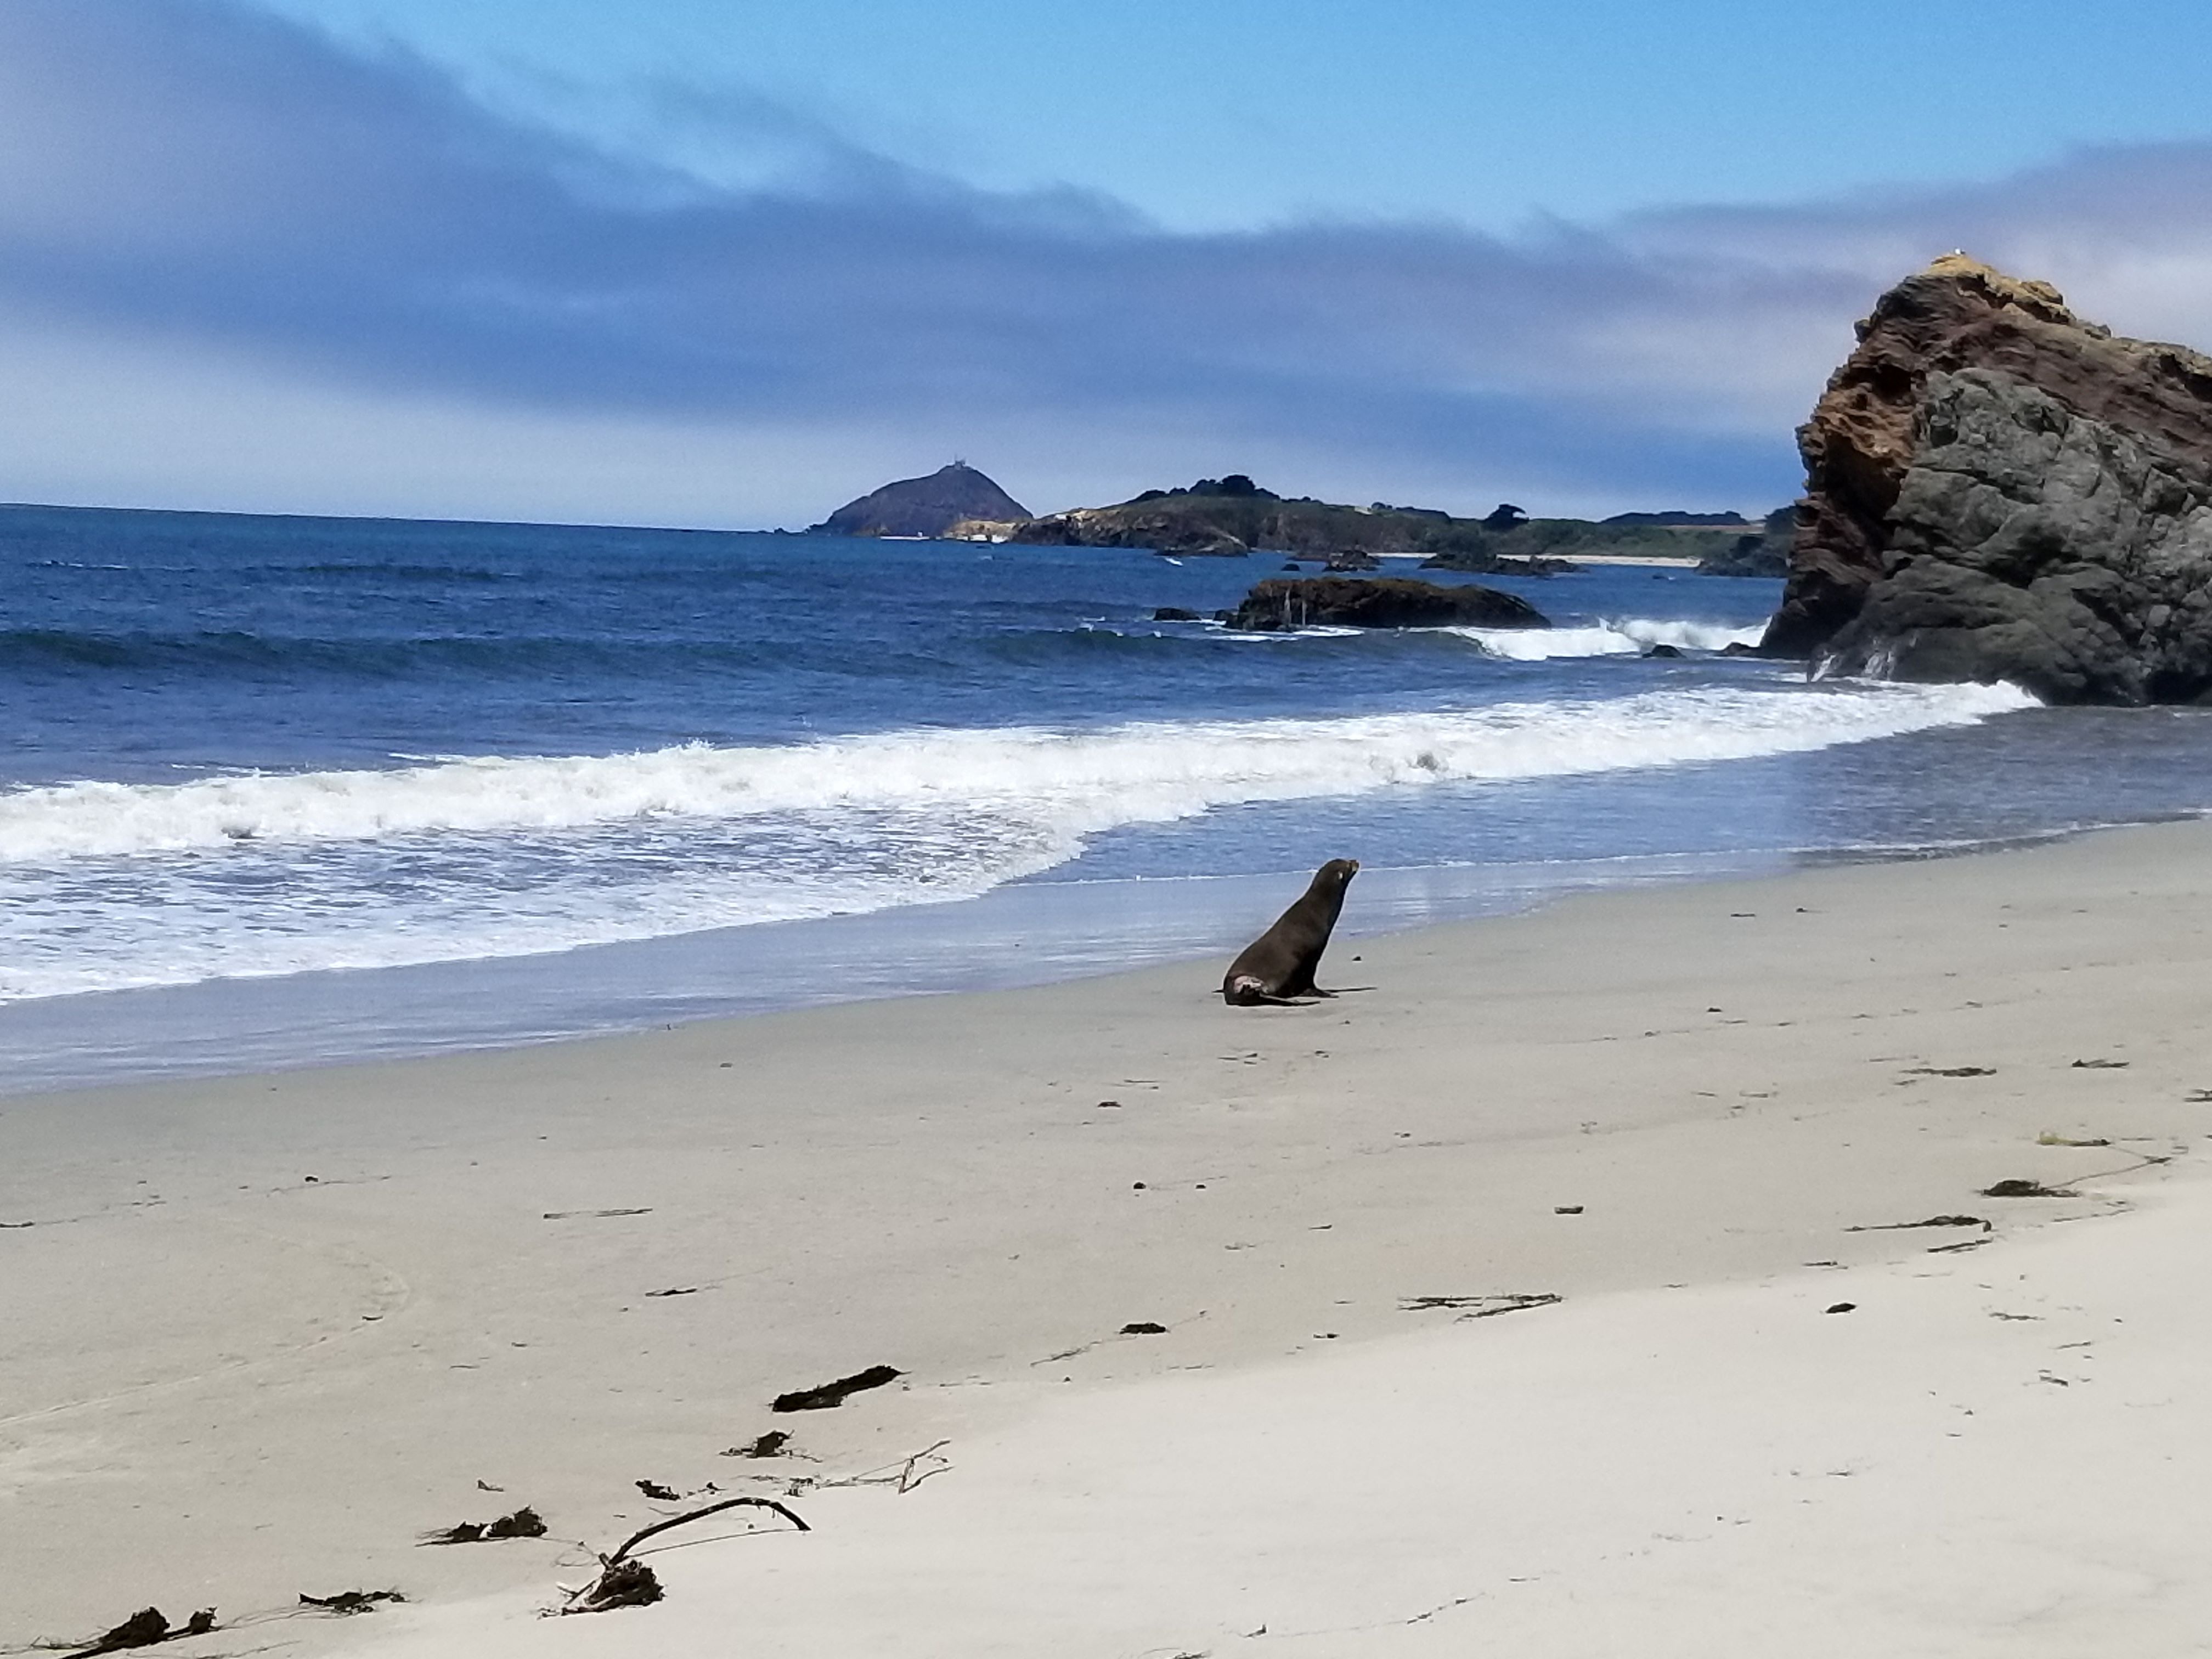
1282,603
1996,490
923,507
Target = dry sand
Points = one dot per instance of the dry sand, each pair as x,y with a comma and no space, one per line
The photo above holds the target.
267,1330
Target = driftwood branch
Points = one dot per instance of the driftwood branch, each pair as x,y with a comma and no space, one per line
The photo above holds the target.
624,1582
638,1537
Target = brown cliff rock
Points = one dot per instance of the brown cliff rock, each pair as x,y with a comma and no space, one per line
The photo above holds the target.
1996,490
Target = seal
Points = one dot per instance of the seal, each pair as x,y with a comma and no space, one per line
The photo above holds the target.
1280,964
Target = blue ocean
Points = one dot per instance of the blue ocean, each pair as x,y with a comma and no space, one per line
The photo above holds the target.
285,791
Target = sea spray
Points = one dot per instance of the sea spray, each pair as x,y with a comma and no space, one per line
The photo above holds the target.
1629,636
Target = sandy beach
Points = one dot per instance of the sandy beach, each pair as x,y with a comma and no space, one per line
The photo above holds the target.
260,1334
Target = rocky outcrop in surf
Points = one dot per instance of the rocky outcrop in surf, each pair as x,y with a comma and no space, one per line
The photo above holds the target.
1282,603
1996,490
923,507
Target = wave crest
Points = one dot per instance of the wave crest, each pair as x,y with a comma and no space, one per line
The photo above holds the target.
1060,784
1630,636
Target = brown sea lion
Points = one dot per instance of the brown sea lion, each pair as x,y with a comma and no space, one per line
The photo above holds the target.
1280,964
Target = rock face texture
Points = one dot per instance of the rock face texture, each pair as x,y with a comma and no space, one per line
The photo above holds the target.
1996,490
1282,603
924,507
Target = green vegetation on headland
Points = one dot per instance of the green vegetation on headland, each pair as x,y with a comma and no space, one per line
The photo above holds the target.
1232,516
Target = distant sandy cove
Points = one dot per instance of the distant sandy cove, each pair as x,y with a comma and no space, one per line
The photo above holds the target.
262,1334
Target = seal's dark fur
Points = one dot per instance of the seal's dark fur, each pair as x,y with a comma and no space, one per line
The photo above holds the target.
1280,964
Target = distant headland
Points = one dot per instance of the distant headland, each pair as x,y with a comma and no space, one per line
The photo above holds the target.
930,506
1231,516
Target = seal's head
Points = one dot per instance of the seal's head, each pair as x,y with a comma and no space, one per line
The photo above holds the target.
1337,874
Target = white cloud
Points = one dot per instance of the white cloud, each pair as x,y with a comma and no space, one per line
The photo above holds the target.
334,280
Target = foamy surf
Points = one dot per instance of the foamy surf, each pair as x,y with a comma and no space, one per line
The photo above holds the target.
1630,636
107,885
1083,780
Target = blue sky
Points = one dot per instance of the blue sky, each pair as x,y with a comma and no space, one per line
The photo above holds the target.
682,262
1208,114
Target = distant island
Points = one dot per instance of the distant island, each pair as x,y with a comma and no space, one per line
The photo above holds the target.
1231,516
952,494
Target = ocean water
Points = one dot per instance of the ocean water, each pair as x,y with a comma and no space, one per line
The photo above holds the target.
288,790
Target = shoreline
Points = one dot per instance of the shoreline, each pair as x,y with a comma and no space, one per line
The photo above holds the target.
1030,932
241,1026
269,1329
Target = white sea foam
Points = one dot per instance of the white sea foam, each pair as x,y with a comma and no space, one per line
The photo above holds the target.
1081,780
1630,636
104,885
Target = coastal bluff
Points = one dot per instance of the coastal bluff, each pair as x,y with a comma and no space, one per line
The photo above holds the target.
923,507
1998,490
1230,517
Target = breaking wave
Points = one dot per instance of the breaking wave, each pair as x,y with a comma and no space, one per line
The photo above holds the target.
1631,636
1080,781
108,885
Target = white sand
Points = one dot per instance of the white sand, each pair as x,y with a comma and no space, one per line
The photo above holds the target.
1998,1454
229,1384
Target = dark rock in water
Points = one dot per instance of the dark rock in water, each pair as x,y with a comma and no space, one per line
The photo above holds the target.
1738,648
1998,490
1174,613
1354,558
925,507
1664,651
1378,602
1291,564
1535,565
